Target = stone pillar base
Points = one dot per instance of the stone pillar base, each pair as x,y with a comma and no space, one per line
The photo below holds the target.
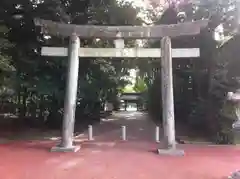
171,152
65,149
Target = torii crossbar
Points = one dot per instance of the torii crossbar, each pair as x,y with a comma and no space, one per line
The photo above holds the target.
118,34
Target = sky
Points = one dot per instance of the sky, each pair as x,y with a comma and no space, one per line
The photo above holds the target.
137,2
146,5
140,2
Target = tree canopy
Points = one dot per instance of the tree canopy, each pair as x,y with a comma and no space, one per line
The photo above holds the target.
200,85
33,82
41,80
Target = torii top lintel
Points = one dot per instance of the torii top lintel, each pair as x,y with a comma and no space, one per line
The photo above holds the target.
127,32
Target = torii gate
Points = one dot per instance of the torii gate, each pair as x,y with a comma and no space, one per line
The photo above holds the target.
118,34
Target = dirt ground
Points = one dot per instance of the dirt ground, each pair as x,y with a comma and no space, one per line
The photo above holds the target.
107,157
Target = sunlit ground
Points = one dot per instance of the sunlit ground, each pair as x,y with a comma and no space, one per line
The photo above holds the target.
129,109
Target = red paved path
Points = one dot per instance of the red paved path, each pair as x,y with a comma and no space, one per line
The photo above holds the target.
113,159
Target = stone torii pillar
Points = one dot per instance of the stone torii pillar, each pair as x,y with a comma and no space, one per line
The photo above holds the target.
167,93
168,146
70,98
235,98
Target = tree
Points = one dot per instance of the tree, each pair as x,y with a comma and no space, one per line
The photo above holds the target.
40,81
7,70
140,85
202,85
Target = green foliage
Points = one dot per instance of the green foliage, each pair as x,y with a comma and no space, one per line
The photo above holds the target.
200,86
224,78
155,100
128,89
6,68
40,81
33,81
140,85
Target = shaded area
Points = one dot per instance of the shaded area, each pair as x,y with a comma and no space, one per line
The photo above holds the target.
138,127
